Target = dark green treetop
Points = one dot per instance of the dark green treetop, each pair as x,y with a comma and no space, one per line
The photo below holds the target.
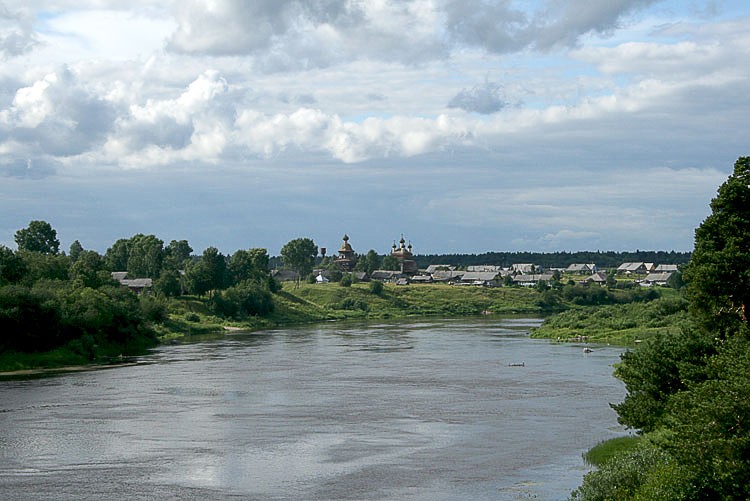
39,236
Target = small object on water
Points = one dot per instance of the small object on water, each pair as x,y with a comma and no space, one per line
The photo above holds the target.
517,364
587,350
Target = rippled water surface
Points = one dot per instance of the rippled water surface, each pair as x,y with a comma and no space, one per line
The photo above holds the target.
421,410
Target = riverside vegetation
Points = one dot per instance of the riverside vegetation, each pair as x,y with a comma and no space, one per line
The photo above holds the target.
687,375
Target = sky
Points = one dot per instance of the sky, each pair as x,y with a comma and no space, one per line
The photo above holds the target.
468,126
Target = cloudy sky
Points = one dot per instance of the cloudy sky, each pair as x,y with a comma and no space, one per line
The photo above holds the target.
466,125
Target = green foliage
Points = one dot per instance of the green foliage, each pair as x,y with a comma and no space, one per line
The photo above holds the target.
688,390
168,283
299,255
86,269
605,451
75,250
39,236
376,287
145,256
209,273
352,304
176,255
390,263
718,275
369,262
655,371
709,425
618,323
645,473
12,266
44,266
248,265
346,280
247,298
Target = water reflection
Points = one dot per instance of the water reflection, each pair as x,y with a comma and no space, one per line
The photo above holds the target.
413,410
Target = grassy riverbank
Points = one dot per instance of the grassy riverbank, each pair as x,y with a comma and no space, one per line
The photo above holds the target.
621,324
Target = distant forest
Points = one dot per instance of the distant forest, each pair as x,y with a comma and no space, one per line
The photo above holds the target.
603,260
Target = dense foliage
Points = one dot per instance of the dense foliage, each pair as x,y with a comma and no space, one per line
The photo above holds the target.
72,305
689,390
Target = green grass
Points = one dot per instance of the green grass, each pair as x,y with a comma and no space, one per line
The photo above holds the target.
603,452
622,324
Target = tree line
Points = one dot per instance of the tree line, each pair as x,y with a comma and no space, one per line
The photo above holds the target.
50,299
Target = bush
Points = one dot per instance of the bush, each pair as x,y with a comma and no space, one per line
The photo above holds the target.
192,317
376,287
346,280
352,304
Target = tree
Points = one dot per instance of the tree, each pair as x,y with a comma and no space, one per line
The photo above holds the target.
38,237
718,275
117,255
87,269
145,256
176,254
209,273
369,262
75,250
12,267
299,255
390,263
249,264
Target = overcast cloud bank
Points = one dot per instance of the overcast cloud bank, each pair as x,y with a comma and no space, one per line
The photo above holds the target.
471,126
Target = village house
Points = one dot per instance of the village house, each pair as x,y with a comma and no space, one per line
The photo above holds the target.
596,278
137,285
525,268
532,279
656,279
581,268
665,268
439,267
483,278
635,268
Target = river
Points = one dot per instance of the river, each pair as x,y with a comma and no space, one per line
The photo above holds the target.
431,409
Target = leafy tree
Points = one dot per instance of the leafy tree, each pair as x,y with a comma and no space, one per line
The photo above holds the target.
248,264
117,255
661,366
369,262
41,266
145,256
209,273
75,250
299,255
168,283
12,266
88,268
176,254
709,426
39,236
390,263
718,275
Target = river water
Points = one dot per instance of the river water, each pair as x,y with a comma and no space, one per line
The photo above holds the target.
437,409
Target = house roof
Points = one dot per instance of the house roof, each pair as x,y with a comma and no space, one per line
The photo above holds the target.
658,277
483,276
578,267
533,278
665,267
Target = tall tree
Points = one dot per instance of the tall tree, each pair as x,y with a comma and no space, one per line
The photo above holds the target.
299,255
117,255
249,264
145,256
38,237
12,266
718,275
75,250
176,254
